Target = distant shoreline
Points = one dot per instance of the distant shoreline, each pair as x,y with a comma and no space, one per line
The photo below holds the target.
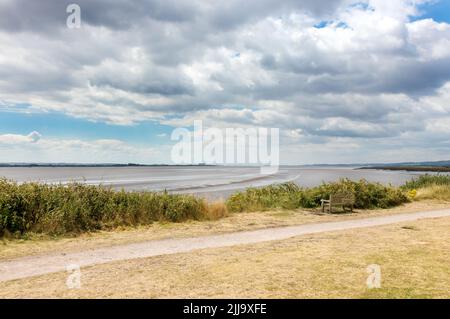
20,165
410,168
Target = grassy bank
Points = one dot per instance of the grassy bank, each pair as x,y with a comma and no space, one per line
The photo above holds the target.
289,195
367,195
429,187
77,208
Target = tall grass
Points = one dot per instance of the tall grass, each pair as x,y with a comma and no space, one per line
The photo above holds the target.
429,187
437,192
427,180
285,195
75,208
289,195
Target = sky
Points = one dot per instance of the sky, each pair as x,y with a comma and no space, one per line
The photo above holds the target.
344,81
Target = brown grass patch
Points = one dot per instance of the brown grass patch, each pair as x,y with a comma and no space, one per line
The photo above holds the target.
41,244
414,264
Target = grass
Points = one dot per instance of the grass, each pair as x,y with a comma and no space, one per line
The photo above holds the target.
413,256
427,187
427,180
77,208
438,192
290,196
413,261
33,208
38,244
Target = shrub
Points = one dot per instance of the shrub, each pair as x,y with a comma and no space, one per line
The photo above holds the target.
74,208
289,195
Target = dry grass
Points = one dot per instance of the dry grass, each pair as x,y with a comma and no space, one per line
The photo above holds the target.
40,244
437,192
414,259
215,210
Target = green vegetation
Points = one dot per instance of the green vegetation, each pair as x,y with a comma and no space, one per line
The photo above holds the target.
429,187
426,181
411,168
289,195
75,208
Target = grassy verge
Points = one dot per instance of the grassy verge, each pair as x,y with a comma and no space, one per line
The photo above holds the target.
33,208
289,195
39,244
428,187
413,258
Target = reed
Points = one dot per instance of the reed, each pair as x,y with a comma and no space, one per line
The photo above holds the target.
76,208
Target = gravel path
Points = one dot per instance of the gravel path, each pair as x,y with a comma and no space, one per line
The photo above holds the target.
49,263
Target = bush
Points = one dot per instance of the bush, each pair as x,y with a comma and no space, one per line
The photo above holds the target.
287,195
74,208
367,195
291,196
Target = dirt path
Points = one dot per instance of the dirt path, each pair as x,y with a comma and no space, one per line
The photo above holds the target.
38,265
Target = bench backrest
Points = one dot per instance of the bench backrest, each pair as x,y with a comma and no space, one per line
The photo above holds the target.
342,198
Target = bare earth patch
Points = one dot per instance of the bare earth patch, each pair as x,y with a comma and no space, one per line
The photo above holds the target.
235,222
414,258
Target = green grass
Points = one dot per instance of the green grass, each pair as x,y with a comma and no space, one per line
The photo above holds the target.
289,195
426,181
75,208
430,187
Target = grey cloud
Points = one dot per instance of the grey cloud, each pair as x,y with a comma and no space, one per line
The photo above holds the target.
199,55
20,15
165,83
415,77
229,14
45,15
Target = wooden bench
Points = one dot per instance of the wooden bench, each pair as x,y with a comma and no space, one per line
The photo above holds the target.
344,199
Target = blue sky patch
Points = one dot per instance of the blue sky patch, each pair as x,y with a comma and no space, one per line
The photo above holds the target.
55,125
439,11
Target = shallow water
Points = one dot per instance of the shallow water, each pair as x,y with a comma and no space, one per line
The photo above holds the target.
208,181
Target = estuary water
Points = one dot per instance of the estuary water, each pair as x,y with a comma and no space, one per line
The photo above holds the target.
207,181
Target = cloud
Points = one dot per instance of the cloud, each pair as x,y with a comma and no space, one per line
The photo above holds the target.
34,148
34,136
369,72
14,139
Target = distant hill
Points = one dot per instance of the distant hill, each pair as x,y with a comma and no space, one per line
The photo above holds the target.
436,166
393,166
430,164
